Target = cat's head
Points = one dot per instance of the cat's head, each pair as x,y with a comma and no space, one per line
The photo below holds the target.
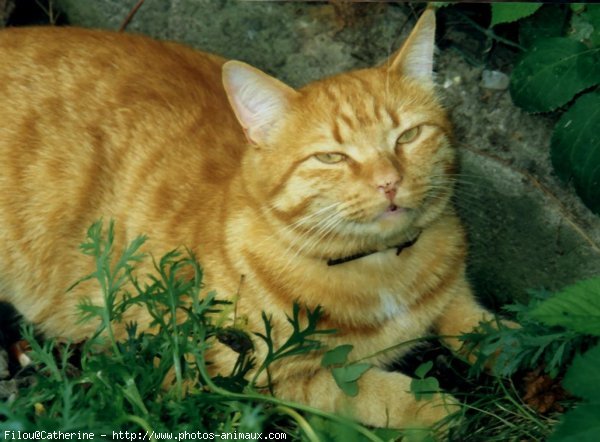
363,155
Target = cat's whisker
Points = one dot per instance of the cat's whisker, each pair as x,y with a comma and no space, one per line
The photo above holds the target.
464,201
459,179
313,232
456,182
290,228
442,193
325,232
326,226
302,222
452,184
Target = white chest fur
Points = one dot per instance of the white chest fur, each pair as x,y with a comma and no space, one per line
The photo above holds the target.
391,307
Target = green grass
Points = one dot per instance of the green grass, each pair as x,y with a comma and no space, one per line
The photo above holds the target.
105,385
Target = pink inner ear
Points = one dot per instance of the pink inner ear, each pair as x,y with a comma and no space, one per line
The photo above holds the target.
419,60
415,58
257,99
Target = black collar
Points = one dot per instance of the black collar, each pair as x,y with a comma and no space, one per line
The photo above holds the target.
399,248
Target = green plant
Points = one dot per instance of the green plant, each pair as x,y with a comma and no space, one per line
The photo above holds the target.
577,308
298,343
559,332
157,382
345,374
424,387
560,71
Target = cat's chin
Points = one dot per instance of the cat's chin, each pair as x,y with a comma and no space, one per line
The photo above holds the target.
393,212
393,217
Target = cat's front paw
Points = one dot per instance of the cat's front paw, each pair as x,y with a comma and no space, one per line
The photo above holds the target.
434,417
474,353
439,410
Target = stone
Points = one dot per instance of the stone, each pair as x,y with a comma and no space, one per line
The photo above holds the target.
495,80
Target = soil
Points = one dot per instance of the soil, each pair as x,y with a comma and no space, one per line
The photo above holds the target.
527,229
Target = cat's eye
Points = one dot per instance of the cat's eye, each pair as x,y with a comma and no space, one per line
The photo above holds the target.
409,135
330,157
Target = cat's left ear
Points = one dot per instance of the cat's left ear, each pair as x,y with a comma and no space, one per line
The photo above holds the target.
415,57
258,100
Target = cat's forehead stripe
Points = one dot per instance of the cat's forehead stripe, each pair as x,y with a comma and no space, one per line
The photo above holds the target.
393,115
337,136
350,114
347,117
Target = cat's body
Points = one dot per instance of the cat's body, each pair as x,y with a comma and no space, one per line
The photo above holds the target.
97,124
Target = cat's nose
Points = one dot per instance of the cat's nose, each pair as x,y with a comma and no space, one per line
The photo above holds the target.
389,187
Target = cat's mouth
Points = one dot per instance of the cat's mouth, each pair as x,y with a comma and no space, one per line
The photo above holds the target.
393,211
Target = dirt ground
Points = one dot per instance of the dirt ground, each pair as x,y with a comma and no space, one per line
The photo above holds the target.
527,229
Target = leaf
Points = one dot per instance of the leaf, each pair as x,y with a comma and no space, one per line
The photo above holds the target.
552,72
577,7
510,12
549,21
583,377
424,388
576,307
349,388
353,372
592,15
336,356
580,29
575,148
579,425
423,369
346,377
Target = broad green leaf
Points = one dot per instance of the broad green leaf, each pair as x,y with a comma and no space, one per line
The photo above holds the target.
579,425
577,7
424,388
354,371
576,307
349,388
336,356
547,22
552,72
592,15
581,29
346,377
423,369
583,376
575,148
509,12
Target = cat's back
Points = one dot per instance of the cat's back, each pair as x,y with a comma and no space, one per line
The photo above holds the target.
71,96
103,124
57,72
86,60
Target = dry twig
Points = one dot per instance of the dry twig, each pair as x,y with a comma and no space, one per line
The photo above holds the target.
129,17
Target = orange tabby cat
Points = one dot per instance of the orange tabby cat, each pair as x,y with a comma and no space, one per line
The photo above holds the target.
337,194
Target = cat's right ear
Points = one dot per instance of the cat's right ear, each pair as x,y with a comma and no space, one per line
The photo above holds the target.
415,57
258,100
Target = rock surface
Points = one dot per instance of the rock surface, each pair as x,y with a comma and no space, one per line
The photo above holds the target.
527,230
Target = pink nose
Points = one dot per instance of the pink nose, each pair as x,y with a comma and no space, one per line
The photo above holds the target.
389,188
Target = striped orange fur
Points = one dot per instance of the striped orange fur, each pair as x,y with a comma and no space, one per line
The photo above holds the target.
257,178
